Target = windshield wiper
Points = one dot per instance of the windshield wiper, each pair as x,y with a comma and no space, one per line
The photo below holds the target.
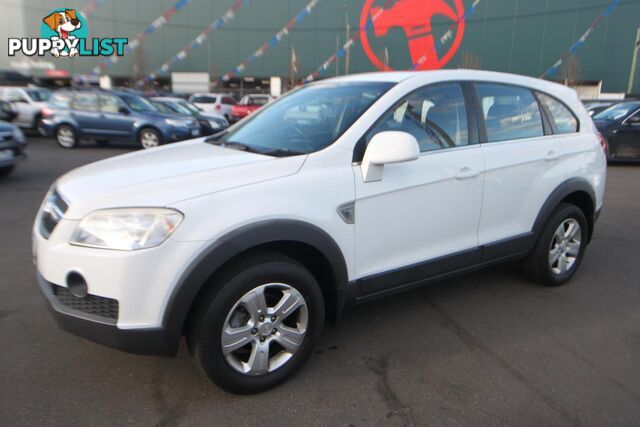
282,152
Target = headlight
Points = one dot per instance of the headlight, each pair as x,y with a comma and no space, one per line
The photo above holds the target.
177,122
215,124
126,229
18,135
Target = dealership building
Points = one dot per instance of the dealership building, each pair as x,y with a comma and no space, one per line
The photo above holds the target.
248,42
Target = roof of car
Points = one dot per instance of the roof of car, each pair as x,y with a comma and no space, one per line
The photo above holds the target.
461,74
168,98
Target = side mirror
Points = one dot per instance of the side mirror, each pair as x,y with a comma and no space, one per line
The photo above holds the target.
385,148
633,121
123,110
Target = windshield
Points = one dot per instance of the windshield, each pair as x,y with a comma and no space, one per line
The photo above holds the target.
137,103
39,95
618,111
306,120
163,108
255,100
189,106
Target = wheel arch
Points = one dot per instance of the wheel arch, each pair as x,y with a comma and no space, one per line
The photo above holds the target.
577,191
304,242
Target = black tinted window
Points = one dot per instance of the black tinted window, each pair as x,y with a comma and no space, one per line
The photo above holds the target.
563,119
435,115
203,99
509,112
85,101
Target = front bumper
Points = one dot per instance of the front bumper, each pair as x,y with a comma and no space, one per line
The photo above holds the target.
149,341
182,133
11,152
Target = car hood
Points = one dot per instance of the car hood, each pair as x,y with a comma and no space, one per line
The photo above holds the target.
167,175
6,126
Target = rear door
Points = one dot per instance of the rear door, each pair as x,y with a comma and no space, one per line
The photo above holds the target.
86,114
426,209
524,164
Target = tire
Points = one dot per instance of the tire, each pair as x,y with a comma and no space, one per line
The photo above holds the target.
545,264
39,126
149,138
66,136
6,170
230,298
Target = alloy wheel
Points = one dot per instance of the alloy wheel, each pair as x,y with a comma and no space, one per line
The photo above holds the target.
565,246
149,139
66,137
264,329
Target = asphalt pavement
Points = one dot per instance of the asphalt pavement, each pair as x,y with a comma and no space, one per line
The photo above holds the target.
488,348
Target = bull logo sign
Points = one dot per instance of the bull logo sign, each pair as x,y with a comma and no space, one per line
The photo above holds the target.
415,19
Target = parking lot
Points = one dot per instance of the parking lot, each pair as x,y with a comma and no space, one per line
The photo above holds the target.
483,349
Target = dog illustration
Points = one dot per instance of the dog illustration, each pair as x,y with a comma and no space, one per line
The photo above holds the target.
63,23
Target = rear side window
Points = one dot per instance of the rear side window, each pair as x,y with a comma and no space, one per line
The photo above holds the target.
509,112
561,117
435,115
203,99
85,101
61,99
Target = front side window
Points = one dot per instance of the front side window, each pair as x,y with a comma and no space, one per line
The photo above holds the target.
509,112
85,101
563,119
138,103
435,115
39,95
305,120
109,103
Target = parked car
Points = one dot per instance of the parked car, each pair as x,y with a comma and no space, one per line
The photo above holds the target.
112,115
28,103
12,147
248,104
220,103
247,241
7,112
620,126
210,123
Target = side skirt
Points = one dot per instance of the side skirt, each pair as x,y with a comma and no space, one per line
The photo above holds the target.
416,275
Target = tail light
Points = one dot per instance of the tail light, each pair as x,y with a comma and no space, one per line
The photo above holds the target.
218,106
46,112
603,143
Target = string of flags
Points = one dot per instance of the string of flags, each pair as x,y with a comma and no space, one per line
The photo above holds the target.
91,7
578,44
139,38
198,41
352,40
283,33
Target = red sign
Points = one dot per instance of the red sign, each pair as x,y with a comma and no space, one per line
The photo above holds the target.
414,17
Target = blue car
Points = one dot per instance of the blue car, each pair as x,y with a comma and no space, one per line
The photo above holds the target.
103,116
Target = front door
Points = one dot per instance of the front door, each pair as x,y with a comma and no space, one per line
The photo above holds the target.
422,217
117,121
626,142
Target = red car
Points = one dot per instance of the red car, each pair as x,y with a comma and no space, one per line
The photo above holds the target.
248,104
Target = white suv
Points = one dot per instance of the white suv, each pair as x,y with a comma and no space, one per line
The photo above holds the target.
342,191
219,103
28,103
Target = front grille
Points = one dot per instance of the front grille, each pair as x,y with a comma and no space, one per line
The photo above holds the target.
52,212
91,304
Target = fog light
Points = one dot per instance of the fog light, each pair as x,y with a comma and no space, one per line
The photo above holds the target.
76,284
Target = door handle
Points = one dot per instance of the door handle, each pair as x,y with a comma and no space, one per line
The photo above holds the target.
551,156
466,173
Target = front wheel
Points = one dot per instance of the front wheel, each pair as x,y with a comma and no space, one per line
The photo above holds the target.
66,136
560,247
257,324
149,138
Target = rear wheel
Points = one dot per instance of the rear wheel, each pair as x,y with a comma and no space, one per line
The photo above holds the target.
149,138
257,324
66,136
560,247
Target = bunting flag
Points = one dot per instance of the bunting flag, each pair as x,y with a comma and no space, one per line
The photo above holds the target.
139,38
578,44
352,41
90,7
196,42
283,33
